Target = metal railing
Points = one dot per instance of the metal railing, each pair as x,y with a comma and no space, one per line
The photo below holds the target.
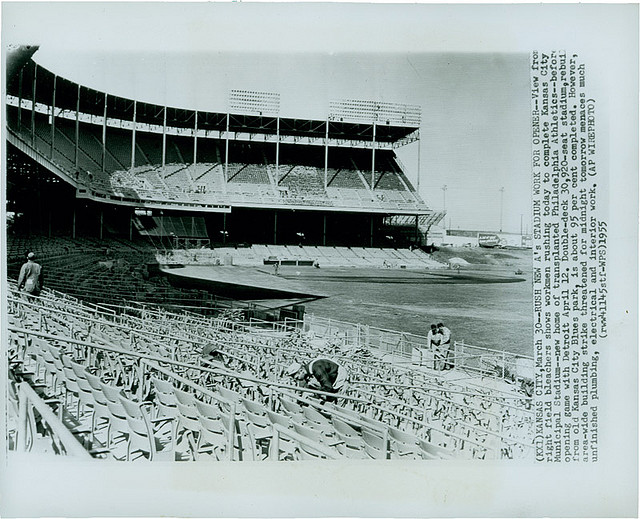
28,400
485,361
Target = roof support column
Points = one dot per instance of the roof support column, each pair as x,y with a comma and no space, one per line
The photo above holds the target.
275,227
418,175
76,152
226,151
164,137
33,107
195,139
53,115
326,155
277,150
224,228
104,140
373,157
324,230
133,134
20,100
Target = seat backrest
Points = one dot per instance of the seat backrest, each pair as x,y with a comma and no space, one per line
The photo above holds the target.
131,408
230,395
291,407
188,416
78,370
94,381
208,410
279,419
83,385
373,452
307,432
185,398
373,439
402,437
260,420
166,399
117,410
344,428
254,407
309,453
162,386
435,450
112,393
315,416
211,425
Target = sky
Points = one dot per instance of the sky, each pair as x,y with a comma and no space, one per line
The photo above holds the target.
475,107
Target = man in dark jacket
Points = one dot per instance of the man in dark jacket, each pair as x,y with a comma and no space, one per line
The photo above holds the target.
30,279
323,374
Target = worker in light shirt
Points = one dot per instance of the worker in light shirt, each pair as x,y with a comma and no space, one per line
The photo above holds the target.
446,347
429,353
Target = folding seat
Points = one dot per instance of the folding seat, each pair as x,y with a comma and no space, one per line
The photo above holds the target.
235,436
71,381
282,420
375,444
86,397
254,407
184,397
344,428
188,423
258,427
112,393
118,424
354,445
317,420
292,409
12,418
141,433
213,437
316,435
431,451
306,450
404,445
230,395
46,363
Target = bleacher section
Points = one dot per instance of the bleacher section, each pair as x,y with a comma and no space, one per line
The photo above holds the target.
133,383
250,181
258,255
110,271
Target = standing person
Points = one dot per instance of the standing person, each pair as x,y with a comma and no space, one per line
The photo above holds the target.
30,278
323,374
445,345
429,351
436,340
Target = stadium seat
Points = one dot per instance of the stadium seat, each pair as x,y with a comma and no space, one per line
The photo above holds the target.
141,433
404,445
213,438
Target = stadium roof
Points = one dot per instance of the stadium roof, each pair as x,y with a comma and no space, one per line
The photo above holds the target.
390,126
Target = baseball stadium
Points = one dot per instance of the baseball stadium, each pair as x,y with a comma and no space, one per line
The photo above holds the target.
192,265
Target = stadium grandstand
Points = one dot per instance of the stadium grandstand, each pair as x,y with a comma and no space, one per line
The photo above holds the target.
111,360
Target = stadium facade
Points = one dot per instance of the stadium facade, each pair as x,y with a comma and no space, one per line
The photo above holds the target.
245,176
